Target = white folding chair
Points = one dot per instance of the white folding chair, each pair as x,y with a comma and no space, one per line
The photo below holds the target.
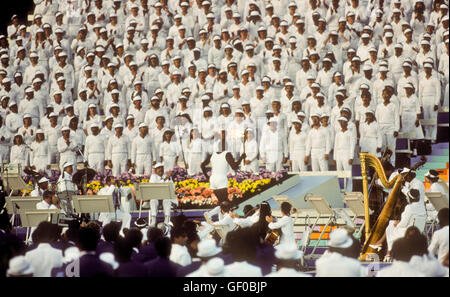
324,211
439,202
355,202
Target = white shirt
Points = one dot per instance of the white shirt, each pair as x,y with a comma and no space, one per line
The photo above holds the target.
43,259
287,272
439,243
399,269
286,225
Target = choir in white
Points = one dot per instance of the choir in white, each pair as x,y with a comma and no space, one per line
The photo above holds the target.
278,76
146,85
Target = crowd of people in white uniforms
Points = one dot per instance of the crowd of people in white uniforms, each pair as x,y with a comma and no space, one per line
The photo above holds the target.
131,83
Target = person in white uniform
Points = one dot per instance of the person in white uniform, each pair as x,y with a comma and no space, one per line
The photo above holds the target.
67,148
143,151
439,242
40,157
159,177
118,151
389,122
371,140
20,153
40,188
297,146
318,146
94,149
287,256
286,224
169,150
344,148
250,148
430,96
340,260
273,147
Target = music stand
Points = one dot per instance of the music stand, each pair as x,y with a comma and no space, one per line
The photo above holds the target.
66,198
354,201
93,203
17,205
32,218
324,211
12,178
154,191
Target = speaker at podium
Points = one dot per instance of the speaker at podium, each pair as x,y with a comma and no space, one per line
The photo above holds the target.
325,186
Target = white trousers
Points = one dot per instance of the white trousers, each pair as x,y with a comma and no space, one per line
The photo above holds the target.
389,140
298,161
392,234
54,154
143,164
67,157
97,161
369,145
342,165
318,162
167,203
169,162
41,163
430,114
119,163
195,159
4,154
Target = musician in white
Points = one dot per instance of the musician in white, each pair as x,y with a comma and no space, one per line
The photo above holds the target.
160,177
413,212
169,150
40,157
65,179
344,148
41,187
286,224
318,146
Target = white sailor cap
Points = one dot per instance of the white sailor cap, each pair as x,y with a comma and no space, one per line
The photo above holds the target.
65,128
118,125
143,125
68,164
157,165
94,125
344,119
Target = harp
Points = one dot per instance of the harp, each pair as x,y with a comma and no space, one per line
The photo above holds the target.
376,232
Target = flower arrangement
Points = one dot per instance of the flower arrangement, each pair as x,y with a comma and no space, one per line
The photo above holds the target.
193,191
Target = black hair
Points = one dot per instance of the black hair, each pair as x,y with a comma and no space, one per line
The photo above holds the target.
400,250
46,232
109,178
134,237
47,195
176,232
417,242
416,194
225,206
262,225
87,239
111,231
163,247
243,244
248,210
286,208
153,234
443,217
123,249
